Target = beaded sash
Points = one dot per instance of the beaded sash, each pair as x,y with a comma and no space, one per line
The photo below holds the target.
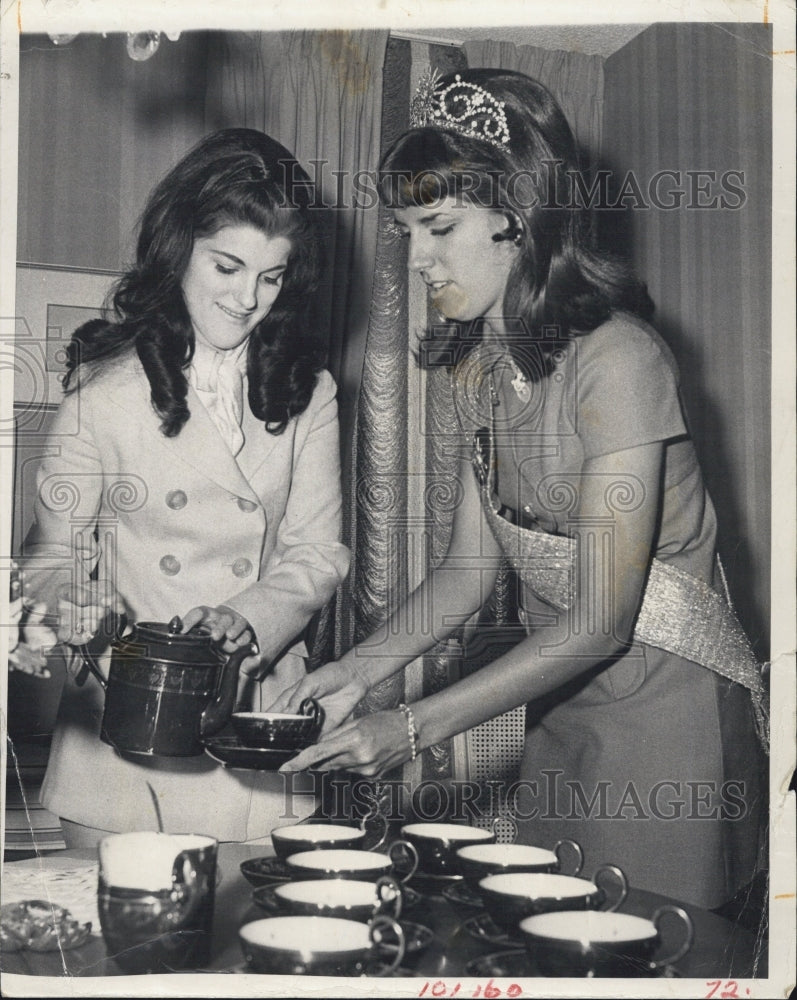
679,614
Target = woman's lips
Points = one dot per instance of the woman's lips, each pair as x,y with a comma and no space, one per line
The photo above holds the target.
239,316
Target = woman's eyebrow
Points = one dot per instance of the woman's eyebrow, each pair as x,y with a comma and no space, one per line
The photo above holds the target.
427,220
229,256
237,260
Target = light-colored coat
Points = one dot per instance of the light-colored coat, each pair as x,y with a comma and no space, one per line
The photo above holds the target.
181,522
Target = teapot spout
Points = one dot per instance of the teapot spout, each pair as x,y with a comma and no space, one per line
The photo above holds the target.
218,712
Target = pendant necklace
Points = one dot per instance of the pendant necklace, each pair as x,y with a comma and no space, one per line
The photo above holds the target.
520,382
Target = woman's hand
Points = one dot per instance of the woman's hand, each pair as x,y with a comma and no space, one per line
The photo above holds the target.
232,631
369,746
338,688
31,641
82,609
226,626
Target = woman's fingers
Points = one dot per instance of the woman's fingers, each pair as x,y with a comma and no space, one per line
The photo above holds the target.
223,623
78,623
333,750
83,608
288,699
369,746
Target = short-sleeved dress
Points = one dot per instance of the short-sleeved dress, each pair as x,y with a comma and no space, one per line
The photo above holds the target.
649,761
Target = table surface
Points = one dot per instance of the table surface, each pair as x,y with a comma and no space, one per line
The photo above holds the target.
721,950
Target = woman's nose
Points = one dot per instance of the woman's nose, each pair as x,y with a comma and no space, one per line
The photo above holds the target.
246,292
420,256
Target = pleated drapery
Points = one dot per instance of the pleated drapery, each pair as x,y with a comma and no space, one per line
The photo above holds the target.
319,93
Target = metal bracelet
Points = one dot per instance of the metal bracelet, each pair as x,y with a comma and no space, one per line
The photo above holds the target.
412,731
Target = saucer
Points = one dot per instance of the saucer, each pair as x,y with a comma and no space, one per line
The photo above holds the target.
460,894
265,871
514,964
518,963
229,751
417,937
483,928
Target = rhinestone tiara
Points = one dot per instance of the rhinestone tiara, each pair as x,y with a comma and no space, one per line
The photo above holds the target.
460,107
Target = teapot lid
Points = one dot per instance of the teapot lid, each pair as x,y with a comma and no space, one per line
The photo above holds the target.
172,631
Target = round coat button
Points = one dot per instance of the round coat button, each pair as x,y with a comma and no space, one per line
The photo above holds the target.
242,567
247,506
170,565
176,499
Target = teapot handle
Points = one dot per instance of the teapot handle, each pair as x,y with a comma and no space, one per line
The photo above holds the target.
117,624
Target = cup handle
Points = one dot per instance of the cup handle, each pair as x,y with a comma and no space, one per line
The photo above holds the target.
495,826
375,814
376,929
576,848
266,901
686,944
405,845
385,883
311,708
620,875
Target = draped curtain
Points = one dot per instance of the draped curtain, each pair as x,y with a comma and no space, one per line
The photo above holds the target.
319,93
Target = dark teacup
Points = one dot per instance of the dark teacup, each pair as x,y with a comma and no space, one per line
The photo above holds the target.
155,900
600,943
278,731
437,844
288,840
291,946
352,864
336,897
477,861
510,898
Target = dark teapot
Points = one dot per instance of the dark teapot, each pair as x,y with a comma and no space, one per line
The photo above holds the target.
167,690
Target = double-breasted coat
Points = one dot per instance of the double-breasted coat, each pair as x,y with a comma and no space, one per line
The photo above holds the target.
174,523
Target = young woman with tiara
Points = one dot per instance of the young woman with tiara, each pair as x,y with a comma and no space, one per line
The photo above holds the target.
644,701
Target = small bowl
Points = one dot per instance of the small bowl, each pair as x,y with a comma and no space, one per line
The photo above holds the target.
477,861
437,844
599,943
276,731
509,898
339,897
349,864
318,946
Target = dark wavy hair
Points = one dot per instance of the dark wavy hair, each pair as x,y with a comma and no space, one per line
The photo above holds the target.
233,176
558,279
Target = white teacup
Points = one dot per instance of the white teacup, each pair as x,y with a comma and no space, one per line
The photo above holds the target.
601,943
352,864
318,945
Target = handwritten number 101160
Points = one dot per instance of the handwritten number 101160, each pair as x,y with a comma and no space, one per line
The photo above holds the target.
488,991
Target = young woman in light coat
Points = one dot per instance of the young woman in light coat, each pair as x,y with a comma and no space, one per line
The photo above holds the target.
195,473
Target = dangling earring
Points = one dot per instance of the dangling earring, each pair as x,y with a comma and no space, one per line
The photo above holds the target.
513,232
